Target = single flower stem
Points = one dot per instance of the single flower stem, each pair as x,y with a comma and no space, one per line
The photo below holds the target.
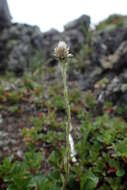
67,106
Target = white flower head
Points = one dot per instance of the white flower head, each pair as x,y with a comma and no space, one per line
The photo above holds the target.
62,51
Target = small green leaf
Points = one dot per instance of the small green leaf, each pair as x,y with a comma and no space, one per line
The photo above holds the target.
120,172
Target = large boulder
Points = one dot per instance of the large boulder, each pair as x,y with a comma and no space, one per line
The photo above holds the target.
115,69
106,75
108,35
75,32
106,42
20,43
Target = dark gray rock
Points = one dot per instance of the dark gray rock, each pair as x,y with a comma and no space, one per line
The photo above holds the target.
75,32
50,39
116,61
80,24
5,16
20,43
109,79
106,42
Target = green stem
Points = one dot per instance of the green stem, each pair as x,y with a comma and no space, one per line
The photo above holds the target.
67,106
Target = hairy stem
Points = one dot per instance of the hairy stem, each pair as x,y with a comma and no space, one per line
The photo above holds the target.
67,106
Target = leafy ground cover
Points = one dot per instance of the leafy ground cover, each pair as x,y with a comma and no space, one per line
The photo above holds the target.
32,137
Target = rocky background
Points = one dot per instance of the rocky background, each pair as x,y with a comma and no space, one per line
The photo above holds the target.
32,111
99,64
100,54
19,43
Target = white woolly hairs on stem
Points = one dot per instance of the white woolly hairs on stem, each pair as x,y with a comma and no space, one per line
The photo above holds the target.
72,146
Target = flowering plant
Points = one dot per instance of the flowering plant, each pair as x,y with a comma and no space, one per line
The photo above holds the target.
62,54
